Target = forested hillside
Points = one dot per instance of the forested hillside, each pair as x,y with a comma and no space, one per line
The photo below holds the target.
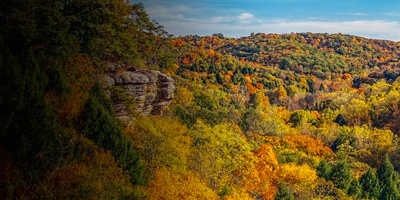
268,116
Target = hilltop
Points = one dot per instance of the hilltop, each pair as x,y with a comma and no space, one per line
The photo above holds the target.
267,116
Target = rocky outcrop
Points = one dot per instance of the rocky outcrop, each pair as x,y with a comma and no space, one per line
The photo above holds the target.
152,91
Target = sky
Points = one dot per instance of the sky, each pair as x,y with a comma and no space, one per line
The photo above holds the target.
378,19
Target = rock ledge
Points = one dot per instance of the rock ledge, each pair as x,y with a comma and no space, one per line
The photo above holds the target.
152,91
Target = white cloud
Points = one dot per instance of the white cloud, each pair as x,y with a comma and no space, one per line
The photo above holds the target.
184,20
220,19
372,29
393,14
246,16
359,14
169,13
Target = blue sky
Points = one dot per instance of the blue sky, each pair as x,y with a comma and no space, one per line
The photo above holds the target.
378,19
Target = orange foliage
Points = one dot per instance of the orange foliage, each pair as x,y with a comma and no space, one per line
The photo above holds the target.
210,52
193,55
346,76
360,90
235,89
186,61
283,113
178,42
309,145
316,114
259,86
248,78
251,88
263,179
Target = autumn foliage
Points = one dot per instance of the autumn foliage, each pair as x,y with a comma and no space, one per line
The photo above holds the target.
267,116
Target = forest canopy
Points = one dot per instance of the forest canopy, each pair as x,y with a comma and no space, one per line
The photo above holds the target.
266,116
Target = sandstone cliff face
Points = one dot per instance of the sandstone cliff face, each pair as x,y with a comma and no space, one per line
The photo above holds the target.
152,91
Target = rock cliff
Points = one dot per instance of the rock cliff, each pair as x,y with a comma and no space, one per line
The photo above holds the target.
152,91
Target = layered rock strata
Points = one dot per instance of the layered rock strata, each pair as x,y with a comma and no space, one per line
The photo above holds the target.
152,91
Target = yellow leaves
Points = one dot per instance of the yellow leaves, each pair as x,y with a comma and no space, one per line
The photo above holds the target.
238,194
282,95
171,69
178,42
97,173
282,92
298,177
303,82
219,153
161,142
169,184
356,113
283,113
184,97
247,78
371,144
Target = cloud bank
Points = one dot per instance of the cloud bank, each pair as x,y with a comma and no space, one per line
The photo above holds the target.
191,21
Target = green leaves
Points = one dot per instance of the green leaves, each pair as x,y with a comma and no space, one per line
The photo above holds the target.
341,176
283,193
369,185
388,180
324,169
98,123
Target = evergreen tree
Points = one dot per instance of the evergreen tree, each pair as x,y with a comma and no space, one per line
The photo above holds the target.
354,188
27,125
322,87
388,178
194,67
324,169
385,172
219,79
369,185
389,192
311,86
100,125
341,176
283,192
